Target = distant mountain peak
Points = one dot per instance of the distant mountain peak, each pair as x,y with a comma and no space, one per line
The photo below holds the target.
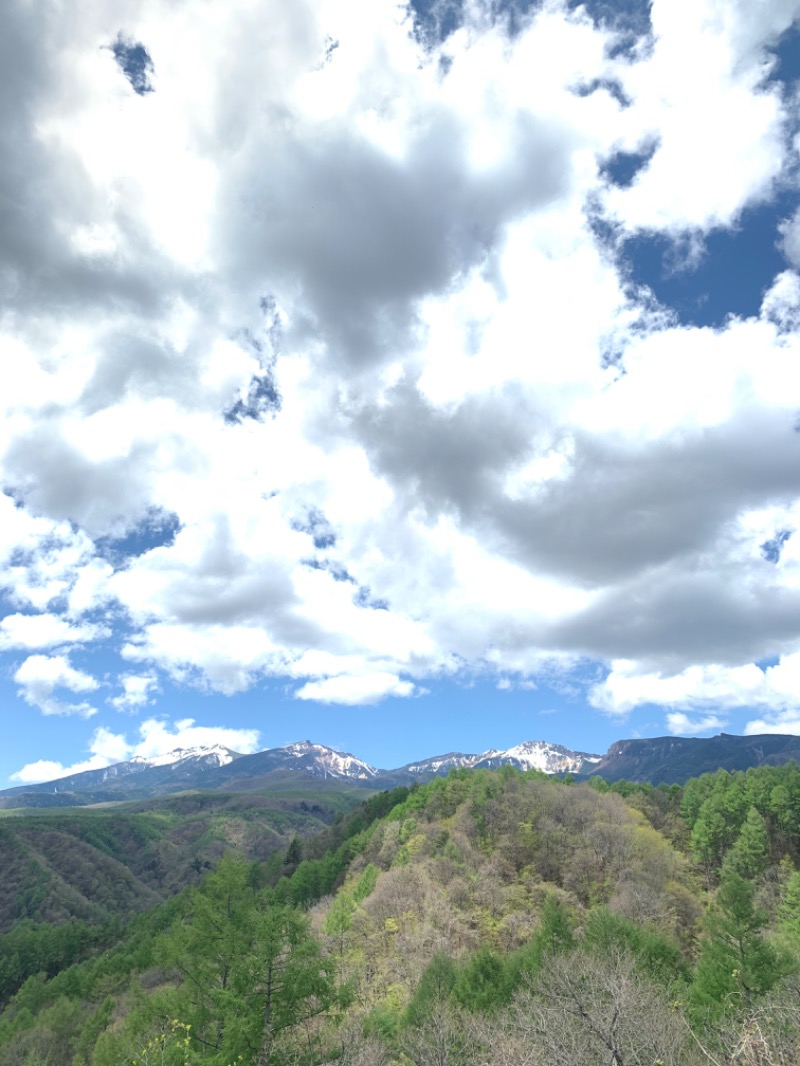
656,759
328,762
528,755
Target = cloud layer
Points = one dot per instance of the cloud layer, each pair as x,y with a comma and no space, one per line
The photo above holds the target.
322,362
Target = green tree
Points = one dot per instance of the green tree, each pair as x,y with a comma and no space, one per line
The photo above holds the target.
736,963
251,968
789,913
293,853
434,989
339,919
209,947
287,976
366,883
484,982
710,836
749,855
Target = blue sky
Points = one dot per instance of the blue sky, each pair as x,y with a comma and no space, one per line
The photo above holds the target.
407,379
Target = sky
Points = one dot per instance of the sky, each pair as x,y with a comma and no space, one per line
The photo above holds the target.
405,378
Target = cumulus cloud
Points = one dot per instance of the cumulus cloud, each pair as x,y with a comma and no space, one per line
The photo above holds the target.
725,687
105,748
680,724
790,232
356,322
137,691
39,678
783,722
22,631
158,737
368,688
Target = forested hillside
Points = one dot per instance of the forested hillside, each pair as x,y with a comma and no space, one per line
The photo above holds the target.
490,918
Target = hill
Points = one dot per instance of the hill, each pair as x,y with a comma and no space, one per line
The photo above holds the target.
98,864
489,918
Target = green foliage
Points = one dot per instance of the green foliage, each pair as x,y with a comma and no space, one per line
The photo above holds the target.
720,807
789,912
736,963
340,917
607,934
30,948
508,878
94,865
484,983
435,988
251,968
749,855
366,883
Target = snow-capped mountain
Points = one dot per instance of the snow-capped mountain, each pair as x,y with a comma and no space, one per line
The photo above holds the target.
179,769
657,759
439,764
530,755
539,755
301,759
326,762
219,768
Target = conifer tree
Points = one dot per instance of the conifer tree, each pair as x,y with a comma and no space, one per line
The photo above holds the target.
736,963
749,855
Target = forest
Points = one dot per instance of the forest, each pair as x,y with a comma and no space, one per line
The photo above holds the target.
487,918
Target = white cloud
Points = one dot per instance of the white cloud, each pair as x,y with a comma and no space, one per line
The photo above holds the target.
42,770
790,232
156,737
516,460
137,691
356,690
706,690
23,631
720,134
680,724
40,676
782,722
782,300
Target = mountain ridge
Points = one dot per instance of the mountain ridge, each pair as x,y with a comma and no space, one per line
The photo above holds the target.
656,759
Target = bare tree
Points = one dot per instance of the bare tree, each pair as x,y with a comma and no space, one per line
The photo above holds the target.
583,1011
441,1040
766,1035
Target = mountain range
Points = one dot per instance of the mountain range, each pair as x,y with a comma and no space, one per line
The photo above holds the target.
658,760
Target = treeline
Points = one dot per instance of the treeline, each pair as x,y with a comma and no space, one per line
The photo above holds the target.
484,919
744,821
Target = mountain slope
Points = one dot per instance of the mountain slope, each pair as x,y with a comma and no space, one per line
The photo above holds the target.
673,760
95,864
657,760
178,769
215,768
315,760
447,912
538,755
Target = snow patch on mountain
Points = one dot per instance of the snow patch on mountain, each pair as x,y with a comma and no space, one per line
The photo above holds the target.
331,763
539,755
441,763
529,755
